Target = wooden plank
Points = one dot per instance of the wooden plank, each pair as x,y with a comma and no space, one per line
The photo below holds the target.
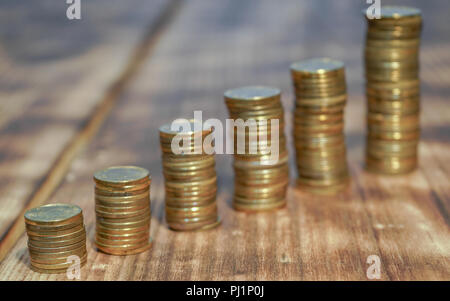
71,86
223,44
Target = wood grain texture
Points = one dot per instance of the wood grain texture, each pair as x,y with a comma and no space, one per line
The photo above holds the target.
71,84
215,45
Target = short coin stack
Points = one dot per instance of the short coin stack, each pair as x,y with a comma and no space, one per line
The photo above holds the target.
320,90
393,90
190,179
261,160
122,208
55,232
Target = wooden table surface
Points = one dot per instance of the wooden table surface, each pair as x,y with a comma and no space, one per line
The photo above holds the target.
79,96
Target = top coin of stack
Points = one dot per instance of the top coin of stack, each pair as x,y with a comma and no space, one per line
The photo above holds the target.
393,90
55,232
261,160
320,91
190,179
122,207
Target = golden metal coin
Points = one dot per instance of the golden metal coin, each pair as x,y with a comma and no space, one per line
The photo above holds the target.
53,214
45,257
55,266
57,238
77,228
74,246
53,271
121,175
56,244
252,94
259,207
200,226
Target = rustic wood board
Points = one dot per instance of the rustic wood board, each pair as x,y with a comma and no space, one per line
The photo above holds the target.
216,45
55,74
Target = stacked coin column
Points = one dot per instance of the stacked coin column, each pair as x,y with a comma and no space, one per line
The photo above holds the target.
320,90
393,90
260,184
122,208
55,232
190,181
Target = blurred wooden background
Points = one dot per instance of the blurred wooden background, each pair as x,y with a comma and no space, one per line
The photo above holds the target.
78,96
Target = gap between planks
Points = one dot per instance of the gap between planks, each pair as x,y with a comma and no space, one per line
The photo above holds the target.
92,124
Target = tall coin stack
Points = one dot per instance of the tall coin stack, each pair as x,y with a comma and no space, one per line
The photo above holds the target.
55,232
122,208
260,184
393,90
320,90
190,180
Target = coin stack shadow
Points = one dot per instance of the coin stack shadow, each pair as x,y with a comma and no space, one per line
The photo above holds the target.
320,92
55,232
122,208
393,90
261,160
190,180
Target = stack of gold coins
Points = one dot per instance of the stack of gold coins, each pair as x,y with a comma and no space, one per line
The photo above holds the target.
55,232
320,91
122,207
190,179
260,155
393,90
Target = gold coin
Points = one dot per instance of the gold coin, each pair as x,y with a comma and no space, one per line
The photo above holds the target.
51,228
192,211
104,193
56,244
123,200
53,271
317,67
196,175
46,257
259,207
56,266
53,215
56,238
398,12
252,94
183,127
325,191
74,246
122,236
183,185
200,226
118,224
206,192
191,166
391,165
110,209
122,241
77,228
332,102
321,107
121,175
125,188
128,251
56,261
123,214
247,200
122,230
